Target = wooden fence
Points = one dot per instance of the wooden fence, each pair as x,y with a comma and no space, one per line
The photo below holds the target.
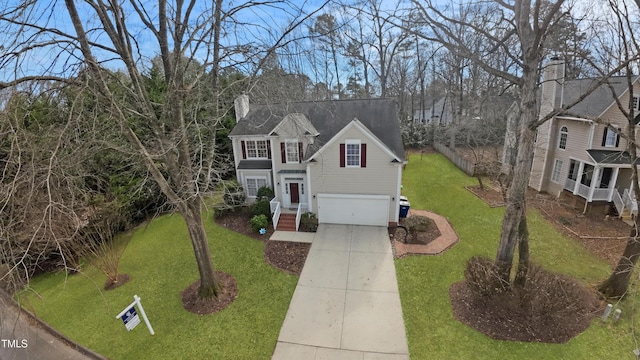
462,164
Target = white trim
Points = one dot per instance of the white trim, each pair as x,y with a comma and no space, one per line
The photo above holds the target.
286,151
360,126
592,131
398,193
273,166
255,141
563,117
566,139
613,182
547,148
290,117
309,196
285,191
595,178
579,177
616,138
348,142
559,169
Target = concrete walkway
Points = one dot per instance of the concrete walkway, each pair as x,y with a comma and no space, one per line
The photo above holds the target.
346,304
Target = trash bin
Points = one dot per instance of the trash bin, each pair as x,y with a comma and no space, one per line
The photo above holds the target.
404,208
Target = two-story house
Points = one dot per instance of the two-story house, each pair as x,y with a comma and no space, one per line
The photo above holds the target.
341,160
576,156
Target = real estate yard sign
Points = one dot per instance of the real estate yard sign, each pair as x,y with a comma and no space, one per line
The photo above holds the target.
130,316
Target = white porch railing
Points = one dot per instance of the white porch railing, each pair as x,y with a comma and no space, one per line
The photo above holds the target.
583,191
274,205
601,194
629,201
618,202
302,208
570,184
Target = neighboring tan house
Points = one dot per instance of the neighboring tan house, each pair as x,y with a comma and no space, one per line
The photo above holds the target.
577,156
341,160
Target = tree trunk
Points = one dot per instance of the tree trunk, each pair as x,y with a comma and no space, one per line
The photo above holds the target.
617,284
192,214
523,254
515,212
480,183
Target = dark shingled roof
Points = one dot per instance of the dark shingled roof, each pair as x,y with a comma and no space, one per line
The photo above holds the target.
254,164
596,102
612,157
380,116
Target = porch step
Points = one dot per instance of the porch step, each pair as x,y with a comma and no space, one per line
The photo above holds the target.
287,222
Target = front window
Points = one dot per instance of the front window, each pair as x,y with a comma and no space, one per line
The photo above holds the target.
292,152
564,133
610,137
353,153
253,184
257,149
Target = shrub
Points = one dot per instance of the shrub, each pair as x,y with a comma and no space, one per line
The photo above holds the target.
550,295
259,222
481,276
308,222
261,207
265,193
233,195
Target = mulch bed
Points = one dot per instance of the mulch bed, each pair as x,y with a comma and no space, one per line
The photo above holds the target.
121,280
287,256
193,303
423,238
502,318
239,221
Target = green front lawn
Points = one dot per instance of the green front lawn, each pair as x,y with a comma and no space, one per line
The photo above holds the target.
433,183
160,261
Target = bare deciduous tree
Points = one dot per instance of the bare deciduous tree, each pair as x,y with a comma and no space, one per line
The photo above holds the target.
163,131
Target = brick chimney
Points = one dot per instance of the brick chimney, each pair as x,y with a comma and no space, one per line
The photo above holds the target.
241,104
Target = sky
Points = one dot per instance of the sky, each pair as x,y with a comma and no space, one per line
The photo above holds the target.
252,25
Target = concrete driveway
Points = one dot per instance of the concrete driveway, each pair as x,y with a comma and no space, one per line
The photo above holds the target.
346,304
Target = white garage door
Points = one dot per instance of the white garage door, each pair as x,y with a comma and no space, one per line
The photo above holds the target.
353,209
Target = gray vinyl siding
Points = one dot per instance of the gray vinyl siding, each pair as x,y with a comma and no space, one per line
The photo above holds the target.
379,177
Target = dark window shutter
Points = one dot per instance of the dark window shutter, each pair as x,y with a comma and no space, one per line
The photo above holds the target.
617,139
300,151
269,149
363,155
604,136
244,150
283,152
342,155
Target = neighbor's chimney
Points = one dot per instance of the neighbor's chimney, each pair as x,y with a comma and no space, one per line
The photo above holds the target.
552,85
241,104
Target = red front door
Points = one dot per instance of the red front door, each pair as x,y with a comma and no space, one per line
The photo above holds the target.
295,195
